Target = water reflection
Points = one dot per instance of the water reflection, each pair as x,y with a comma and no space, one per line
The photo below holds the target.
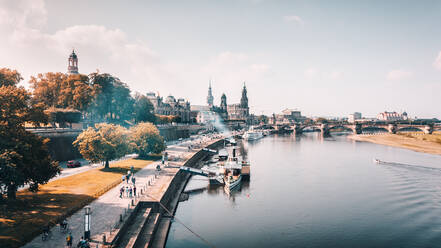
309,191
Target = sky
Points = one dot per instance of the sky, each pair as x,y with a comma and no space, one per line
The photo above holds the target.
325,58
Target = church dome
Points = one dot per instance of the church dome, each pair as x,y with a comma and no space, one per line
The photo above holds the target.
73,55
170,99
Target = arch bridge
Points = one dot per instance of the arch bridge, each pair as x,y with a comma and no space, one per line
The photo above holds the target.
359,128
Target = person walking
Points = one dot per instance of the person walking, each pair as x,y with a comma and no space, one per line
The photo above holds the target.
134,190
127,191
130,192
123,178
133,180
69,239
121,192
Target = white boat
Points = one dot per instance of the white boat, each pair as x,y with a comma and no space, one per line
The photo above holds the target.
223,154
252,135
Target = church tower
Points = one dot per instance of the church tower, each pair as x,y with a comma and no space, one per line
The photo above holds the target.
210,97
244,102
244,98
73,64
223,104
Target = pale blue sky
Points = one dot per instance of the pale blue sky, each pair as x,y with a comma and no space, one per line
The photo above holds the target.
323,57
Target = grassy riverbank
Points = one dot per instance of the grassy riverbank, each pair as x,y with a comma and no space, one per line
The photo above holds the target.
428,143
23,219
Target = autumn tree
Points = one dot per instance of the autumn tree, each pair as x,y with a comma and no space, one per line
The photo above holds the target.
143,109
9,77
24,158
146,139
103,143
59,90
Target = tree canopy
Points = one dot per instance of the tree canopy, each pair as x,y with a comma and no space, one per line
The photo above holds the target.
58,90
146,139
143,109
24,157
103,143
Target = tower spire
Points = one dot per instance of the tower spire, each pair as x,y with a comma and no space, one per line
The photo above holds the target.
210,97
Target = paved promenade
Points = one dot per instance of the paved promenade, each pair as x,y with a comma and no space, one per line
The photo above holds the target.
106,209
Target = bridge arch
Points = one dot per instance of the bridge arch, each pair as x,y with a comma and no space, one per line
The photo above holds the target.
374,129
341,127
410,129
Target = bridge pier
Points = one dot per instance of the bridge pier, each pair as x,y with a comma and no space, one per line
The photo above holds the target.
297,129
392,128
357,128
324,129
428,129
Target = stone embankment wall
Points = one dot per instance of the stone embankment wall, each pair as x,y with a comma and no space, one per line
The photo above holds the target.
61,148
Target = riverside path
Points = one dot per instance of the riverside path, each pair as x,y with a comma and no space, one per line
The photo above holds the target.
106,210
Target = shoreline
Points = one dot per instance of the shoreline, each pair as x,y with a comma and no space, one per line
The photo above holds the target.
406,141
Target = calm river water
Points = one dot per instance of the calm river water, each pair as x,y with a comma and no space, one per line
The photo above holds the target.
306,191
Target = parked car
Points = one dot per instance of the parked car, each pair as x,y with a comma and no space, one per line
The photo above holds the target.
73,164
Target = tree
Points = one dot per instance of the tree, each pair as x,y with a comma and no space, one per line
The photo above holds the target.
24,158
113,102
58,90
9,77
146,139
143,109
103,143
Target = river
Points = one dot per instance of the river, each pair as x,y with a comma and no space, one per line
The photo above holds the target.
306,191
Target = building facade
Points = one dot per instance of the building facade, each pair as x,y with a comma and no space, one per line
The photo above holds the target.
170,106
239,111
354,117
392,116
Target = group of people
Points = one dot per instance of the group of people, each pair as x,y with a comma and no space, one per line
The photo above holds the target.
83,243
128,191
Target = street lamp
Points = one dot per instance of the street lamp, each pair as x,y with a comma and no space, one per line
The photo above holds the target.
87,223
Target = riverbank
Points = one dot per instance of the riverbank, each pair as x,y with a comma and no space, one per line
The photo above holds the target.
427,143
23,219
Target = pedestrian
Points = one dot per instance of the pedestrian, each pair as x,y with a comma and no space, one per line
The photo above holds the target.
69,239
134,190
132,169
123,178
130,192
127,191
133,180
121,192
127,178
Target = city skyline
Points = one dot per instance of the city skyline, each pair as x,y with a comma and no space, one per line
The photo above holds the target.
326,59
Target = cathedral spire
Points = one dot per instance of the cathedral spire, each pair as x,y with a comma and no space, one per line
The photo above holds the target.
210,97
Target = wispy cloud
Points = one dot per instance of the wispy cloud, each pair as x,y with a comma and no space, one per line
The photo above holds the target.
294,18
437,62
399,74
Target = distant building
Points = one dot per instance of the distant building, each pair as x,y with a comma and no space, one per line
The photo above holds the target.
72,67
392,116
239,111
170,106
288,117
354,117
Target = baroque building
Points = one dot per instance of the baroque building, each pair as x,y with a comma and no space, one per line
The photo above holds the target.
239,111
72,67
232,112
170,106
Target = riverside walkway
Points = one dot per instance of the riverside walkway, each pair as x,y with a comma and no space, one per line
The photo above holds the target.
106,210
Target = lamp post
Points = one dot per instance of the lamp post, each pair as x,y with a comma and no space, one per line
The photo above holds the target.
87,223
